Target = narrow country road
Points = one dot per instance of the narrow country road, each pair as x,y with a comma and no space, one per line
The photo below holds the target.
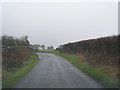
53,71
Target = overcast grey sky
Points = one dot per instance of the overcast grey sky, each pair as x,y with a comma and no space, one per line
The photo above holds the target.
56,23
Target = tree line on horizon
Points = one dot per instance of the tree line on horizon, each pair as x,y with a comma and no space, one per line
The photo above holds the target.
42,47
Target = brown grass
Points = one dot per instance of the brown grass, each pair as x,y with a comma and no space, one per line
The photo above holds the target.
103,66
14,58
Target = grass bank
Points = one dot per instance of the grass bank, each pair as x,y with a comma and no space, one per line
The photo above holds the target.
19,73
104,79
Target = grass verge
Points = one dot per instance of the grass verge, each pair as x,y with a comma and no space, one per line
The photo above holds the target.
19,73
104,79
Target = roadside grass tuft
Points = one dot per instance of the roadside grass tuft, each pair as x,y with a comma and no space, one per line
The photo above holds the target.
19,73
104,79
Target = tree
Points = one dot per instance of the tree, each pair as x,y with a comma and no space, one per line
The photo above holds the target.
8,41
50,47
43,47
24,40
